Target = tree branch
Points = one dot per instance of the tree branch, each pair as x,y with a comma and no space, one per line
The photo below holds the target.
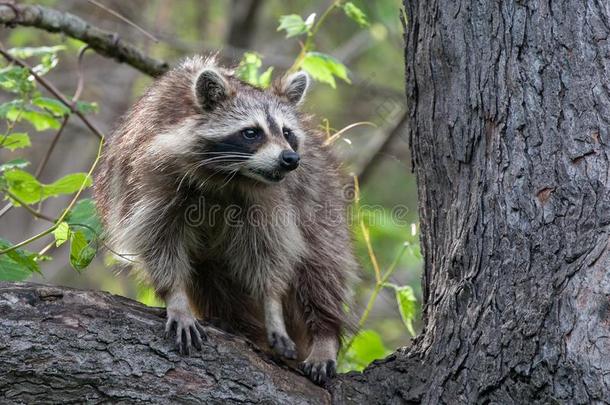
105,43
59,345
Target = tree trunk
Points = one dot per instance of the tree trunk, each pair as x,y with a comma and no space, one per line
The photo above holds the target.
509,106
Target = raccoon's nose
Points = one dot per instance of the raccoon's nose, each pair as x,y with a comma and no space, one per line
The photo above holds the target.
289,160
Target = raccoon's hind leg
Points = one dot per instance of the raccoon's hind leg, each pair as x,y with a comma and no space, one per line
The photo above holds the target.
320,296
321,364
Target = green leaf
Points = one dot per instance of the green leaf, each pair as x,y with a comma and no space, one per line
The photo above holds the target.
12,271
48,62
81,251
407,305
355,14
29,190
17,140
83,242
52,105
84,217
247,70
61,233
27,52
17,111
40,120
16,79
294,25
264,80
14,164
86,107
24,186
324,68
366,347
11,109
68,184
18,264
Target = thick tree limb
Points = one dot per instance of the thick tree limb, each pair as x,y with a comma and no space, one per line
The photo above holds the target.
105,43
59,345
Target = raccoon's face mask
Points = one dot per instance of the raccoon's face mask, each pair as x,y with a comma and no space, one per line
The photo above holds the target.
247,131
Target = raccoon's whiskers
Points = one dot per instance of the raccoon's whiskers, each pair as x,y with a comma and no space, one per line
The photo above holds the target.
221,153
224,157
232,174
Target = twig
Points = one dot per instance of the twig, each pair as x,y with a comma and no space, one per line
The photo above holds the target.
65,211
308,45
331,139
53,90
47,155
72,106
81,75
103,42
77,93
29,209
5,209
124,19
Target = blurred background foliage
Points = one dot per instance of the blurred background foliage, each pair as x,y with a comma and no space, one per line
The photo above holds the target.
374,56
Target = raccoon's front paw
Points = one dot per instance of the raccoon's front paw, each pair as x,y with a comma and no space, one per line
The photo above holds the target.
319,371
282,345
188,331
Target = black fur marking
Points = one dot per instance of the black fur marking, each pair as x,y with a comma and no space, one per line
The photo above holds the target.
236,143
291,138
274,128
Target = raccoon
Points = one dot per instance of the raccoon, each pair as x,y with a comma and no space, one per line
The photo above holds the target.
227,199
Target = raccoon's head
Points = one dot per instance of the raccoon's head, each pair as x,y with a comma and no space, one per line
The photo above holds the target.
242,132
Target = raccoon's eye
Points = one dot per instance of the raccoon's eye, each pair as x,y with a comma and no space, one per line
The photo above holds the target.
251,133
287,133
291,138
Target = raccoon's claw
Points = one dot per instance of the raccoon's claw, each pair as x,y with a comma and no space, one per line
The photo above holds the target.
283,345
188,331
320,372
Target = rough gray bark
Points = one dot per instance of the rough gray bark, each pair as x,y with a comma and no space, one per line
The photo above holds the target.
105,43
509,110
59,345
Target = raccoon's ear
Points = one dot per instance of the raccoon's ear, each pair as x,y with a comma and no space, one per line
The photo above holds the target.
294,87
211,88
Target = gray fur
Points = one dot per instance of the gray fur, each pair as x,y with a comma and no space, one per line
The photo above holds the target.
218,227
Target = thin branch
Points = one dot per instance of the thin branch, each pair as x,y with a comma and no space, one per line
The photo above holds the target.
77,93
29,209
104,42
124,19
65,211
47,155
53,90
331,139
81,75
59,132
